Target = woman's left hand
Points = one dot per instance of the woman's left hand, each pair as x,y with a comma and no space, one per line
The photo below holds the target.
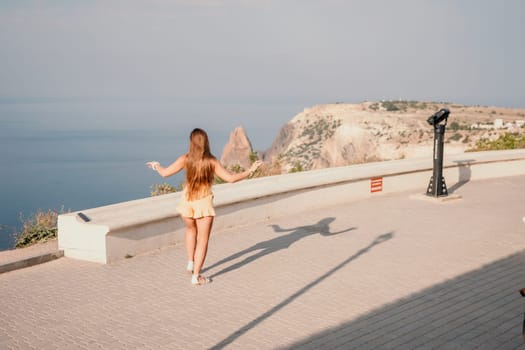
255,166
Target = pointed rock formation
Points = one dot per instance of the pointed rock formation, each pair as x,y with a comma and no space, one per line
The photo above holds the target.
238,149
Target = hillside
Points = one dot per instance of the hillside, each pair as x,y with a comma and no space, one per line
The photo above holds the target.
342,134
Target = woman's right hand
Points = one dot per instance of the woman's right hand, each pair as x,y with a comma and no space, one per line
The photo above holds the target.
153,165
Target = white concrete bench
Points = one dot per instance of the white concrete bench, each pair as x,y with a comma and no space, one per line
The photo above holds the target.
125,229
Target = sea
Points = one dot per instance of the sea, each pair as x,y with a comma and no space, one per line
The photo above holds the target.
75,155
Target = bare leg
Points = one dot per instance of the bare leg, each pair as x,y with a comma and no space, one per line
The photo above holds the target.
191,237
203,235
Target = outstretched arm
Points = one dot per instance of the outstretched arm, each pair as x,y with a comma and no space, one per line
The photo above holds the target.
328,233
172,169
277,228
224,174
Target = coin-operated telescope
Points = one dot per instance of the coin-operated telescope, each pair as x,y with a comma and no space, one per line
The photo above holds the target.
437,186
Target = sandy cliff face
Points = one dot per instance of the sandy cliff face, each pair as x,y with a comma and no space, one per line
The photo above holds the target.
342,134
237,150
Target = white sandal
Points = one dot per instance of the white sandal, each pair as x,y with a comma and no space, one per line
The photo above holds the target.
198,280
189,267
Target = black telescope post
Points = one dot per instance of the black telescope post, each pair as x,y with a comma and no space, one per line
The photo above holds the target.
437,186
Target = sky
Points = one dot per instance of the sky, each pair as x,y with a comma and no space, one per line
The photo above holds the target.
260,59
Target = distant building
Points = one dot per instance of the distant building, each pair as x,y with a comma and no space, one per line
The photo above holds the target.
482,126
498,123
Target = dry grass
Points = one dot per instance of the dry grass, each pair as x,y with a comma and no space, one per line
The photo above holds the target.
160,189
38,228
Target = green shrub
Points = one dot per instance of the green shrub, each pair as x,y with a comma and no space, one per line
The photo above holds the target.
297,167
456,137
254,156
506,141
160,189
390,106
38,228
454,126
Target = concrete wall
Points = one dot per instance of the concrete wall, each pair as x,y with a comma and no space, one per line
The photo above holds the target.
134,227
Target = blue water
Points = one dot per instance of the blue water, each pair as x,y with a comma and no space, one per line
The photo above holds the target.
72,157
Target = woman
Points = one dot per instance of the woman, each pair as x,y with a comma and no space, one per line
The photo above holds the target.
196,206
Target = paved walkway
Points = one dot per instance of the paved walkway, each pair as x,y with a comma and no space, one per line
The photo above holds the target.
391,272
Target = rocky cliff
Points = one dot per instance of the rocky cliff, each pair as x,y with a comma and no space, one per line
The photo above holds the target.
238,149
342,134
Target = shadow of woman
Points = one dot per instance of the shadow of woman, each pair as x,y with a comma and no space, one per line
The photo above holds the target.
276,244
290,299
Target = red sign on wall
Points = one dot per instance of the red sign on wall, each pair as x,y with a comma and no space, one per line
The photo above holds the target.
376,184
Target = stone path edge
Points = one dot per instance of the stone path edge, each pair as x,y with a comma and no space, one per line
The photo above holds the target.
15,259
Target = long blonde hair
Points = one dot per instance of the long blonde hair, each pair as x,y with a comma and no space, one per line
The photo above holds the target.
199,166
